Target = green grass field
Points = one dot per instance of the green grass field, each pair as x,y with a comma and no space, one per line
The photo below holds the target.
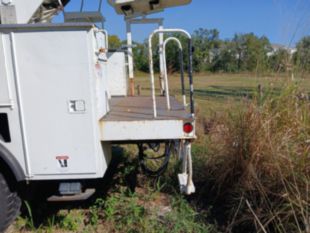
214,92
155,206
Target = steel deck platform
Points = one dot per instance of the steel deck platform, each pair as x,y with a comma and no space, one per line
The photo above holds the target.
141,108
131,118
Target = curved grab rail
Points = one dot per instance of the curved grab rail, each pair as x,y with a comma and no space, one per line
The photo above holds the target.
190,67
181,70
106,34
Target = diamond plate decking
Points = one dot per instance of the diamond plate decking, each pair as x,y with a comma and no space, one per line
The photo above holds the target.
141,109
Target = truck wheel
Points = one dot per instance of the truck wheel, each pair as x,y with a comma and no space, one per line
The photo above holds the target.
10,204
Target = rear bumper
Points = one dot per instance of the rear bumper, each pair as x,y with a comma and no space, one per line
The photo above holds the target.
143,130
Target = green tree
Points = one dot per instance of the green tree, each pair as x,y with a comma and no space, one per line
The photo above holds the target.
302,57
251,52
279,60
245,52
225,59
140,54
114,42
206,43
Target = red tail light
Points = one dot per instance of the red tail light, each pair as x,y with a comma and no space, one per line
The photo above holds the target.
188,128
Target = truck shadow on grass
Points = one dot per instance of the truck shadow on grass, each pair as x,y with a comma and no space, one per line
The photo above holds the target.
125,201
37,213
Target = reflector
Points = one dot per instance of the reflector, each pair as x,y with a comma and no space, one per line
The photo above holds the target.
188,128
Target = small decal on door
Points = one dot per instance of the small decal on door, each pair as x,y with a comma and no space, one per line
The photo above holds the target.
62,161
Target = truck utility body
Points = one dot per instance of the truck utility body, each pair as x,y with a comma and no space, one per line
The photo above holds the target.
131,118
56,99
65,99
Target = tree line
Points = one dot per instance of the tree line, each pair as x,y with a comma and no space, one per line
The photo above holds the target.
243,53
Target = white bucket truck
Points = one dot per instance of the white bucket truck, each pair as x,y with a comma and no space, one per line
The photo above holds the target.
65,99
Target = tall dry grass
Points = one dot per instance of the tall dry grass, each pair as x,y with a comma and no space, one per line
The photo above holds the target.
258,162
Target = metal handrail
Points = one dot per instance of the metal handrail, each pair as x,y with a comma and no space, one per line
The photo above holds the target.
181,70
106,34
190,67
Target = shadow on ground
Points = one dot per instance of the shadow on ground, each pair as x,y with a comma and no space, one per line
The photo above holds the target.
40,211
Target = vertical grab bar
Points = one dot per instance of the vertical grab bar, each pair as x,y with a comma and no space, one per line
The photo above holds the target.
190,76
106,34
190,68
152,79
182,79
181,70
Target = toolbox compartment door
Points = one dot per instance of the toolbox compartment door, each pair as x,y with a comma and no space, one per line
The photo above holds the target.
55,75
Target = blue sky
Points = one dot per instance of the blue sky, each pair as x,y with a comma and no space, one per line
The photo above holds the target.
282,21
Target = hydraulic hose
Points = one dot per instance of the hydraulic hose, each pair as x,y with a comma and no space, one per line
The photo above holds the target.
143,158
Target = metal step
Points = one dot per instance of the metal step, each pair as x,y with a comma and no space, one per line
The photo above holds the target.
71,198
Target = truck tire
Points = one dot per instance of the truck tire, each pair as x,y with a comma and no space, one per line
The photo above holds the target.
10,204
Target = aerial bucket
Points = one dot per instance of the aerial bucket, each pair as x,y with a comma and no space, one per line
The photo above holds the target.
133,8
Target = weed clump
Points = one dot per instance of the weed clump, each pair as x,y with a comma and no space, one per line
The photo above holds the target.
257,168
